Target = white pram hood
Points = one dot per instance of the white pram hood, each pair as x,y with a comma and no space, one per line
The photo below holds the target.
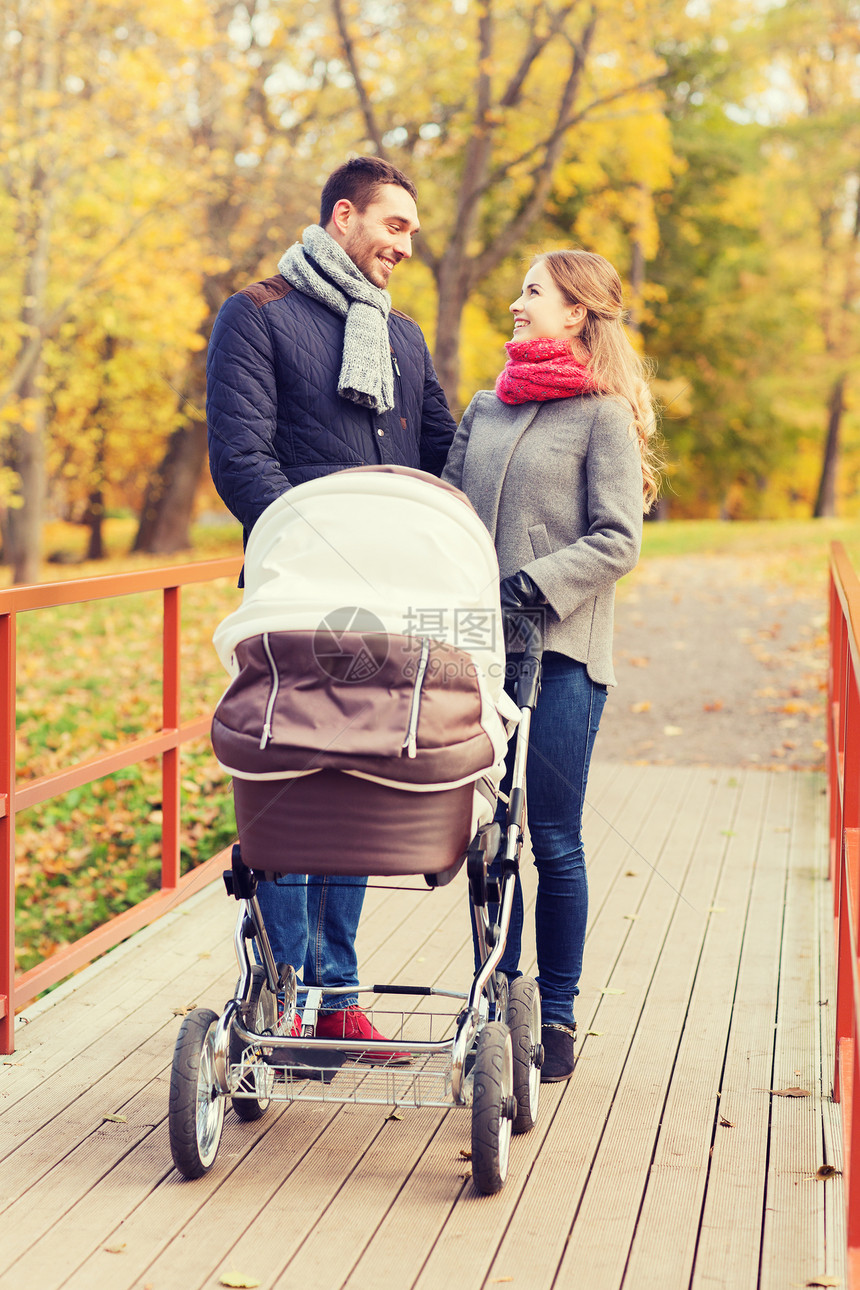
394,542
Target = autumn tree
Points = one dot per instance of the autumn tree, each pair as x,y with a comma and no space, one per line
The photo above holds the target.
817,48
84,119
488,112
268,115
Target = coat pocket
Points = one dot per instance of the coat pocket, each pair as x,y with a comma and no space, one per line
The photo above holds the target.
539,540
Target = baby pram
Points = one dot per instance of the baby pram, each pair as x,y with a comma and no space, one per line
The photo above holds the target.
366,728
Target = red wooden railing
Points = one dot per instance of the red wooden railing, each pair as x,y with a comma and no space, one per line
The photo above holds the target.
164,743
843,777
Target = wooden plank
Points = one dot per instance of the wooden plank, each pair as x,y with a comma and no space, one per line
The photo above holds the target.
400,1246
264,1245
543,1210
334,1244
793,1243
109,990
92,1091
149,1028
252,1164
835,1236
611,1117
723,1058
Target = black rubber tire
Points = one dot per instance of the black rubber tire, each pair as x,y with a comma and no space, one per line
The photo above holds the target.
191,1069
261,1014
492,1092
524,1023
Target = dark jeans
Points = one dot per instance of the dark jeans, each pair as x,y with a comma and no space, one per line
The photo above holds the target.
564,726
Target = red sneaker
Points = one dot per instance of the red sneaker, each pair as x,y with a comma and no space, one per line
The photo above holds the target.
352,1023
284,1027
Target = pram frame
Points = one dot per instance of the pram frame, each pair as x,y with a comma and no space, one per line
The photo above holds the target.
217,1076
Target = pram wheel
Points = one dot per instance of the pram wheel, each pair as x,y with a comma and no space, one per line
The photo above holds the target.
196,1114
260,1015
493,1107
524,1022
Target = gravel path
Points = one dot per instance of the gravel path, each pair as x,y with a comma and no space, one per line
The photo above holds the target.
716,665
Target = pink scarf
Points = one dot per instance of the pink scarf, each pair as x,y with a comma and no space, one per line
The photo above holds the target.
542,369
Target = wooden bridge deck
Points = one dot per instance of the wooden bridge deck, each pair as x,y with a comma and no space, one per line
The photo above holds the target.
668,1161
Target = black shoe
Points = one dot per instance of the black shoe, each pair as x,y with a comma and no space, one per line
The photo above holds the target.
557,1044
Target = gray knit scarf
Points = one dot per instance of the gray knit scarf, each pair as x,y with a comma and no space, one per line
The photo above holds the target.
365,375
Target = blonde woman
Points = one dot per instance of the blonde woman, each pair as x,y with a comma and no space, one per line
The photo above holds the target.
559,464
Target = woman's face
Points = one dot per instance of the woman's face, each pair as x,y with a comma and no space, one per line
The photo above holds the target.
542,311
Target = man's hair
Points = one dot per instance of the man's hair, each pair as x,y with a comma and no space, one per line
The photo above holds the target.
357,181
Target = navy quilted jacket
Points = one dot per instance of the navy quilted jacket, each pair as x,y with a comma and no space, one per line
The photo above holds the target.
275,416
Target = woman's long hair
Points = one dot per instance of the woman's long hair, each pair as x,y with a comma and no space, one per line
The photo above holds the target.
584,278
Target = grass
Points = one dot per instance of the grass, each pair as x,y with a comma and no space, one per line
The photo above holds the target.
795,552
89,679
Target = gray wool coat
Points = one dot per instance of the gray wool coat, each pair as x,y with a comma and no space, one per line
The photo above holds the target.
558,484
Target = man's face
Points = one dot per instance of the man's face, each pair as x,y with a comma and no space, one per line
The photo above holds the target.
379,237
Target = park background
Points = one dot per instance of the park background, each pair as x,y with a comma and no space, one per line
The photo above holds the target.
157,157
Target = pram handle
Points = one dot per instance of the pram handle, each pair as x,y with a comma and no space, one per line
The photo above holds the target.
528,632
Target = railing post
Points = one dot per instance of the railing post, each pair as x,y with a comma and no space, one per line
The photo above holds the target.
7,832
170,761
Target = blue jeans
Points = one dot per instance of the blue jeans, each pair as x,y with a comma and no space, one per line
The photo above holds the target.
563,730
312,922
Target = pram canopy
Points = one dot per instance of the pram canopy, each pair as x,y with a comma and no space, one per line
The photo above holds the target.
368,647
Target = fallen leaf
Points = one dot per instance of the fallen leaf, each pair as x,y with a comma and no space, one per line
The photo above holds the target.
184,1009
497,1281
673,730
640,662
726,1124
238,1280
631,873
467,1155
715,706
204,954
395,1115
632,917
644,706
790,1092
824,1281
466,1174
115,1249
827,1171
608,990
116,1119
597,1033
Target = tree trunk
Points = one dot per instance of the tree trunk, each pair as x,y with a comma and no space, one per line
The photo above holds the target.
825,502
94,521
165,520
22,525
453,292
637,285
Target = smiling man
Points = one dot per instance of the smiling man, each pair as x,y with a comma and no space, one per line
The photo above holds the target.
308,373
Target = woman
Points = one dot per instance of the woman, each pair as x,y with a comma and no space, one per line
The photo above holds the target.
559,465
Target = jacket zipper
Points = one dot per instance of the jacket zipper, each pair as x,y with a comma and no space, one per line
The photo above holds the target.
399,410
410,743
273,693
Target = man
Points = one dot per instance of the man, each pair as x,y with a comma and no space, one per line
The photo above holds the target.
308,373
